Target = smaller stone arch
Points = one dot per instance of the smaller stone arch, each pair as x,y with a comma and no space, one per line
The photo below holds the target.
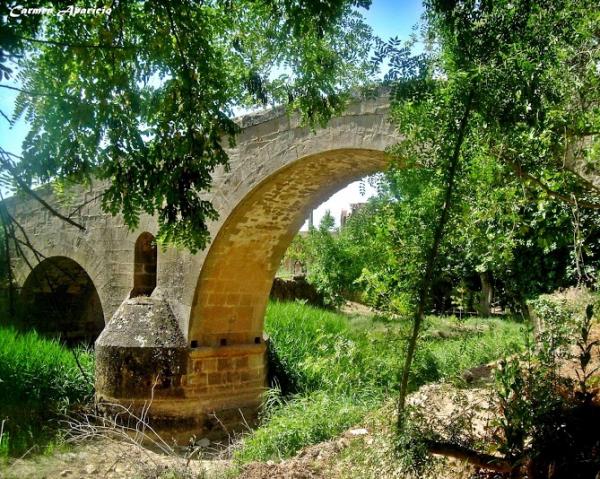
59,299
145,262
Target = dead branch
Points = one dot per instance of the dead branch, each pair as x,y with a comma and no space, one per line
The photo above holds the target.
127,426
473,457
87,202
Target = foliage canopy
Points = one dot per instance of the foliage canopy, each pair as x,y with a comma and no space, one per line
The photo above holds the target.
144,97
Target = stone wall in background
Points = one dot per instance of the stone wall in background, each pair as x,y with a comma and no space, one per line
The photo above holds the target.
296,289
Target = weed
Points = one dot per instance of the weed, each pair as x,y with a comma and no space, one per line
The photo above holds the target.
331,370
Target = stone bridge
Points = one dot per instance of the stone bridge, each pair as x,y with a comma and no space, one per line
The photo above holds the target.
183,330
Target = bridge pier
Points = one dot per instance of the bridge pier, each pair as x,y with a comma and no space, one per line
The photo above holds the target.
143,360
226,385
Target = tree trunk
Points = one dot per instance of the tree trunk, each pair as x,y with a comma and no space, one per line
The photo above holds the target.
487,293
432,258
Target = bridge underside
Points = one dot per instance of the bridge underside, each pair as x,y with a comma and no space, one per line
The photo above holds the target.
237,275
59,299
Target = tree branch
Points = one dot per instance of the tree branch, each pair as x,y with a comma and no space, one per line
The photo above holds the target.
9,224
584,180
521,173
475,458
11,292
39,257
73,45
5,116
7,164
34,93
87,202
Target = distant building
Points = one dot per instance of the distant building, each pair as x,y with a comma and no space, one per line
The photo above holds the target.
345,214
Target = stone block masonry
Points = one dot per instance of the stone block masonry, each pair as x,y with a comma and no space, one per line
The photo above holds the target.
225,371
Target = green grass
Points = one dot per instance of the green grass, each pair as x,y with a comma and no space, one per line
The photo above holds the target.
306,419
333,369
39,381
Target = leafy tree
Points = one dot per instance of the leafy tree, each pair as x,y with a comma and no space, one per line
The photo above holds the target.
336,257
525,246
144,97
514,81
327,260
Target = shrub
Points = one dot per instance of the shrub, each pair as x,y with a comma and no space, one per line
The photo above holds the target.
549,423
548,415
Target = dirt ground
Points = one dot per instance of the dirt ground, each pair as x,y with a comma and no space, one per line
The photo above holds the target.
114,460
361,452
110,460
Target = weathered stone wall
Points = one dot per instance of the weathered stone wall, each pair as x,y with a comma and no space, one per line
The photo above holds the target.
296,288
105,250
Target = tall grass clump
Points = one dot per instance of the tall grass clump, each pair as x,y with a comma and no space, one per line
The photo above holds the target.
39,381
330,370
306,419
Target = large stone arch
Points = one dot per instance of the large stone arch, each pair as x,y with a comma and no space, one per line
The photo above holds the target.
280,169
59,299
271,142
238,271
68,245
96,249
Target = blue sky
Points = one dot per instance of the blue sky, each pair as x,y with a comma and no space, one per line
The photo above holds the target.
388,18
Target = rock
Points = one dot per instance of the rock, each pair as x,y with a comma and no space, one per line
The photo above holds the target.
358,432
478,373
204,442
342,443
91,469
